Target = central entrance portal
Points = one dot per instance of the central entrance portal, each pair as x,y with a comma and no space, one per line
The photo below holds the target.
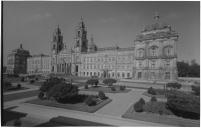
106,73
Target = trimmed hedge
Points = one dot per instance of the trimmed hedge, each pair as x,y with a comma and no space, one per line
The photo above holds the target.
32,81
101,95
19,86
183,104
122,88
109,81
153,99
151,91
90,101
92,81
174,85
113,88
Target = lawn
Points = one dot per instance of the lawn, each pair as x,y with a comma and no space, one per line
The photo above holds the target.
106,89
20,95
66,121
164,119
15,89
80,106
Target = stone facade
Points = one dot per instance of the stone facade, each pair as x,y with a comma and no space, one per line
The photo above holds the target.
17,61
152,57
39,64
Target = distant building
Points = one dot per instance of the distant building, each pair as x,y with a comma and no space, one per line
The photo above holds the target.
39,64
152,57
17,61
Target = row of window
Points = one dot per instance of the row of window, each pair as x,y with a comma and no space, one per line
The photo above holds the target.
153,75
111,74
153,64
32,72
154,51
105,66
107,59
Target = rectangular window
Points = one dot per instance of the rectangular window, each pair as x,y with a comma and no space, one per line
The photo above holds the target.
167,75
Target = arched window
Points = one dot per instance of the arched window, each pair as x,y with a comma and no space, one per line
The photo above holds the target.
153,64
141,52
153,50
168,50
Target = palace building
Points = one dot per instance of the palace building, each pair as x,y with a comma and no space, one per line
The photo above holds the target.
39,64
152,57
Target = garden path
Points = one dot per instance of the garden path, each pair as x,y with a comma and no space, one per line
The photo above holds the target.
121,102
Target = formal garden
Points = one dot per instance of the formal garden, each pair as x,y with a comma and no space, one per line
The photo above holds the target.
169,106
108,86
55,92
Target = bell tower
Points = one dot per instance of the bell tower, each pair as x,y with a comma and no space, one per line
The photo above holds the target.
57,41
81,42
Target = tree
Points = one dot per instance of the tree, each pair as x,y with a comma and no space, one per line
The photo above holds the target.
109,81
183,69
188,70
184,104
62,91
49,83
138,106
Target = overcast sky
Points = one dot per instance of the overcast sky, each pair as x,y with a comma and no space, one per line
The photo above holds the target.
110,23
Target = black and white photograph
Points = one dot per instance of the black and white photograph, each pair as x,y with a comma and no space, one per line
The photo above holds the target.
100,63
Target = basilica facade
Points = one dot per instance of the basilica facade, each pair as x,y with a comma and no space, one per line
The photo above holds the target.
152,57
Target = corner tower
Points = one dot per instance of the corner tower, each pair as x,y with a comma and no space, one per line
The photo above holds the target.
81,42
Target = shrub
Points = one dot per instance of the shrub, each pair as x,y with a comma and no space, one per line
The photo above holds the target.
113,88
151,91
156,107
183,104
196,90
32,81
36,78
101,95
19,86
174,85
41,95
153,99
90,101
109,81
122,88
138,106
86,86
22,79
92,81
